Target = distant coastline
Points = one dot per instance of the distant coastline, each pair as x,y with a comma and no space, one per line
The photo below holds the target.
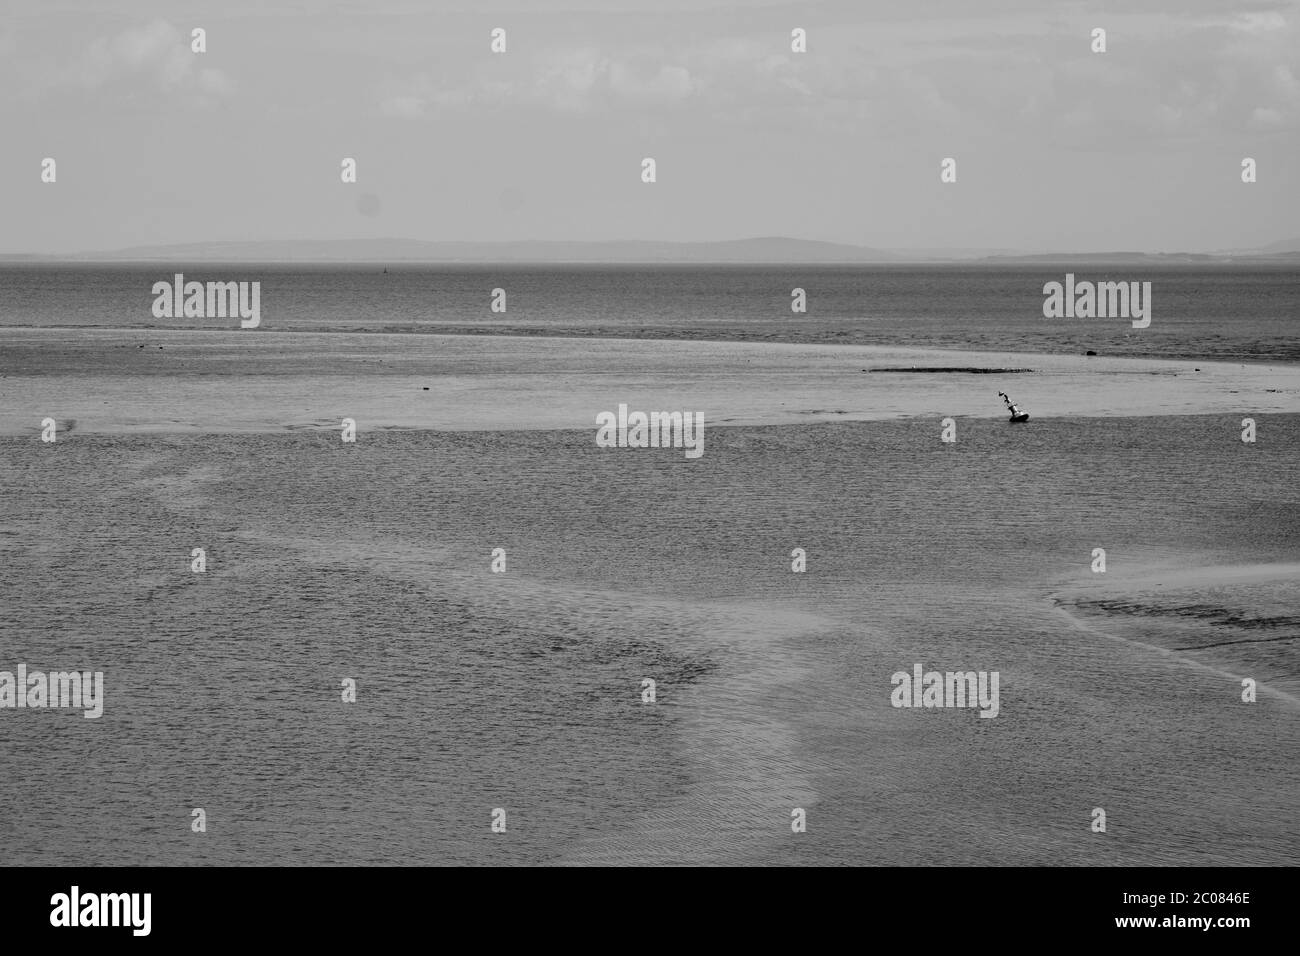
758,251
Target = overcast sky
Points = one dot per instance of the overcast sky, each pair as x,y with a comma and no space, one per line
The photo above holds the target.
1057,148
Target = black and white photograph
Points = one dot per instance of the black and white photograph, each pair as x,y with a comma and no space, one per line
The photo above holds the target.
649,433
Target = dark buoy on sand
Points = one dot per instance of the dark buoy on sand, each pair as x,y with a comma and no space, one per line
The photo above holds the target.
1017,415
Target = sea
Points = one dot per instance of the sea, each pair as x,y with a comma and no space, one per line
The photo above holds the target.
1237,312
518,696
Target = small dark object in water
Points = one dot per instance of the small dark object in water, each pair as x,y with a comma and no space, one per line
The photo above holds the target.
426,388
1090,352
1017,416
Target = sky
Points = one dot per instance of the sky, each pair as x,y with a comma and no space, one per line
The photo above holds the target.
1057,148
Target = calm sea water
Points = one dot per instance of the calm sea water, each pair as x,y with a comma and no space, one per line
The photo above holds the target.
1251,313
522,690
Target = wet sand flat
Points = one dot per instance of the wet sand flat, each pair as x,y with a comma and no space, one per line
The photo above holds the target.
522,689
111,381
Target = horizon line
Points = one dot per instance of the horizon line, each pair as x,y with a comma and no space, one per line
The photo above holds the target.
586,250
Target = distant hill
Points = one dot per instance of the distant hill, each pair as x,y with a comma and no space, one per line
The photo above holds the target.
1143,258
1273,248
762,250
414,250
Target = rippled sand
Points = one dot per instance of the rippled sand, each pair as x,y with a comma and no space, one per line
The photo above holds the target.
522,690
1241,619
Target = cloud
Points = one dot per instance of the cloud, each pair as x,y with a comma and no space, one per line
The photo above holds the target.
571,81
666,84
408,106
1264,118
566,81
590,79
215,83
155,57
419,95
1168,77
1265,22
